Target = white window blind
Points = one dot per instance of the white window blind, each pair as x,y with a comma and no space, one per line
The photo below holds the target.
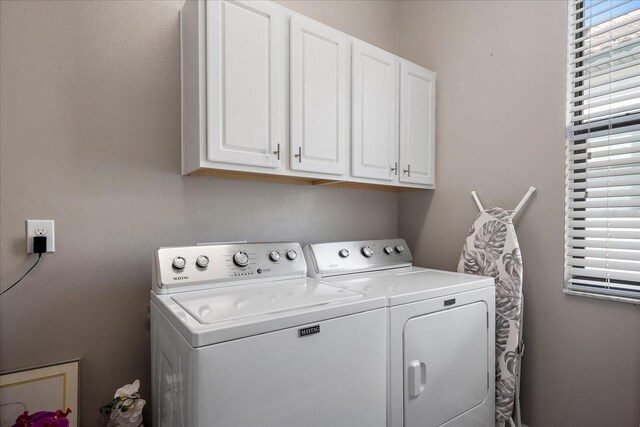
602,251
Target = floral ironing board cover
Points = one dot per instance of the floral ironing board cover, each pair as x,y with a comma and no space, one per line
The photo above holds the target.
491,249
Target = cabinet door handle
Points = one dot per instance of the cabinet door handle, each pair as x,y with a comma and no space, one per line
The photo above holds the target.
277,152
408,170
395,169
299,155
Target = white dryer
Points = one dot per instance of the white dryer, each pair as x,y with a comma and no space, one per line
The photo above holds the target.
440,327
240,336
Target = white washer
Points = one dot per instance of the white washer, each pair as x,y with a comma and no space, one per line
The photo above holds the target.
241,337
440,327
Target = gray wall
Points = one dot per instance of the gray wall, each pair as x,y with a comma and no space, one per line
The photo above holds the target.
90,132
500,129
373,21
90,137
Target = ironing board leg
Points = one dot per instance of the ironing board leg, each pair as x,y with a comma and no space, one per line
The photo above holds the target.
518,414
477,200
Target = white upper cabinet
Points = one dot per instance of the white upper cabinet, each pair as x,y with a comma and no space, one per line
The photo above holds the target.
245,80
318,98
268,92
417,124
374,112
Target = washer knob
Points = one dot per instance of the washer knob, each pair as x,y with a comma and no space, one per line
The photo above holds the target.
367,251
179,263
399,249
202,261
274,256
388,250
343,253
241,259
291,254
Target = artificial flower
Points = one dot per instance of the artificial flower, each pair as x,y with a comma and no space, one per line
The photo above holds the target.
125,408
43,419
127,390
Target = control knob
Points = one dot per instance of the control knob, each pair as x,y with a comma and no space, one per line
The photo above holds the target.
179,263
399,249
367,251
291,254
241,259
202,261
343,253
274,256
388,250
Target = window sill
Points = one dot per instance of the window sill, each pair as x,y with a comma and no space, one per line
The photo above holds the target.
599,296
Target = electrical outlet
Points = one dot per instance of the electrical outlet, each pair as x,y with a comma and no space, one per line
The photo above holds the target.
38,227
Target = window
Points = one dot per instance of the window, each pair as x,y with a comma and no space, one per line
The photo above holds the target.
602,212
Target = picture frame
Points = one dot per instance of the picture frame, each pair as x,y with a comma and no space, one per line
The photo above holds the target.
42,388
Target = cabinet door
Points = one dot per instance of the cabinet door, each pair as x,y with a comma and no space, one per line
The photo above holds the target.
446,369
374,110
417,124
244,82
319,98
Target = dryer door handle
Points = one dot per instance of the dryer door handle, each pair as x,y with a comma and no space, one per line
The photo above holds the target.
417,378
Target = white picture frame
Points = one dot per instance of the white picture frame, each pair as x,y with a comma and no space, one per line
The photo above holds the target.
44,388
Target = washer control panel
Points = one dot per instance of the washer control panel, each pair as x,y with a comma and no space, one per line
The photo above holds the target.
330,259
182,268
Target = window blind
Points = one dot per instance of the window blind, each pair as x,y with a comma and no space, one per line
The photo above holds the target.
602,212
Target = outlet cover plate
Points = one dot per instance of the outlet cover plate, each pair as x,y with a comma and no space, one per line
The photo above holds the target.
41,227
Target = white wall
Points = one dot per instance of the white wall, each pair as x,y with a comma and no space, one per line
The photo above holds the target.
500,129
90,137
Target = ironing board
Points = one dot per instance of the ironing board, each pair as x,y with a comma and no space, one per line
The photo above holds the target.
491,249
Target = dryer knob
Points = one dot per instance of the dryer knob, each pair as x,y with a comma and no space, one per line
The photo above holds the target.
179,263
343,253
399,249
367,251
202,261
388,250
241,259
274,256
291,254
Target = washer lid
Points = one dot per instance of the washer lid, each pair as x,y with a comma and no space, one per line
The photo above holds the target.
241,302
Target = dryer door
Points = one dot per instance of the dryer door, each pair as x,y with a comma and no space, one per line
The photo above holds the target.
445,364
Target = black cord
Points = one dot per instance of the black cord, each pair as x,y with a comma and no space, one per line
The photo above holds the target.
25,275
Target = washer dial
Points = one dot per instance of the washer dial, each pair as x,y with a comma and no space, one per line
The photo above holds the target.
399,249
388,250
202,261
241,259
343,253
179,263
367,251
291,254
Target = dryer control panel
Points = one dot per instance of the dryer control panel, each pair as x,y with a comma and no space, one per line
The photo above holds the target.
335,258
184,268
